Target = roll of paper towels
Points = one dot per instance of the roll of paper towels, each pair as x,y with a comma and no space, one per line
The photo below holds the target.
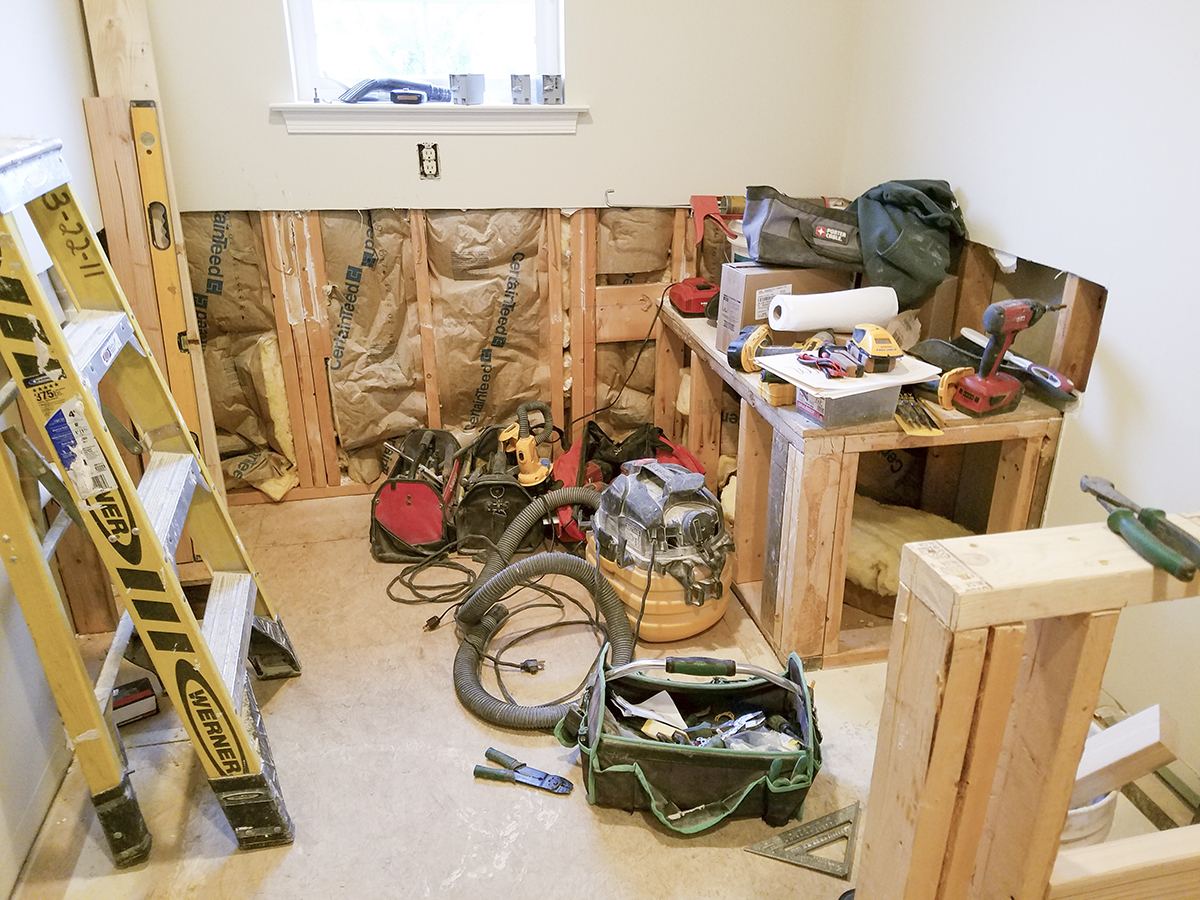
837,309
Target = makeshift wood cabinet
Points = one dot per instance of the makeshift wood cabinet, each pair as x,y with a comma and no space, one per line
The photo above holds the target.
998,648
796,481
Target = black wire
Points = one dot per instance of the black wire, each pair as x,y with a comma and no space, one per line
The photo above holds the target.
641,347
637,629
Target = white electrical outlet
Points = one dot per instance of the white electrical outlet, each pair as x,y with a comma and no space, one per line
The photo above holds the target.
429,166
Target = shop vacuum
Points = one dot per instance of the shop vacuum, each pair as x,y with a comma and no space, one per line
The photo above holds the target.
661,540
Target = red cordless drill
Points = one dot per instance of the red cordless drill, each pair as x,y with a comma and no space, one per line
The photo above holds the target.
989,390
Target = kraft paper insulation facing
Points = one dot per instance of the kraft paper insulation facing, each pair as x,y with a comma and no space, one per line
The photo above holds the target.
375,371
488,279
235,312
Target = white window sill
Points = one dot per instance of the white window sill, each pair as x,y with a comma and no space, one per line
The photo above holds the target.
426,118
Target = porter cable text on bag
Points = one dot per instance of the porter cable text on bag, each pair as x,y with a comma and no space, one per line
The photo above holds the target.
499,338
350,298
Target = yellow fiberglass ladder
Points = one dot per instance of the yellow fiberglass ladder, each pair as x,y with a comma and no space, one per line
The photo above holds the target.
56,369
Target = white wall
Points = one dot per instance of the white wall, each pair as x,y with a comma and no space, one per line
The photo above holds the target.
686,98
44,74
1071,133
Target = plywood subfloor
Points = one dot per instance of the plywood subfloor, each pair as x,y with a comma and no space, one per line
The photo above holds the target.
375,758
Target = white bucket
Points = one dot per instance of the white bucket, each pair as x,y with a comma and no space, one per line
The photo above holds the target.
1089,824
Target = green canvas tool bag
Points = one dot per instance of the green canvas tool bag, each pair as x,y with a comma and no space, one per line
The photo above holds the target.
691,788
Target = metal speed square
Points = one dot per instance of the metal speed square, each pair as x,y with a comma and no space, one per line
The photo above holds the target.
796,845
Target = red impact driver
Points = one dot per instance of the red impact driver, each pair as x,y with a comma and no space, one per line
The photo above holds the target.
989,390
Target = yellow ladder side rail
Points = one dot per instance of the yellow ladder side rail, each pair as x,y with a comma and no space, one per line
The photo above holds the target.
143,572
90,732
91,284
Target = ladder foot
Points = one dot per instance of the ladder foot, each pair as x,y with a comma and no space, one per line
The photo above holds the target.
124,827
253,804
271,650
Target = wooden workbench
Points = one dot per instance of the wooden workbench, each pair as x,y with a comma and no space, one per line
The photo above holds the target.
796,482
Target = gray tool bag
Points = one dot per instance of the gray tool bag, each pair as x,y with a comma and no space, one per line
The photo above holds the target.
752,747
785,231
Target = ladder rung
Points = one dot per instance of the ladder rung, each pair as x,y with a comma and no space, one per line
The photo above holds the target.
228,616
112,662
95,338
166,490
54,534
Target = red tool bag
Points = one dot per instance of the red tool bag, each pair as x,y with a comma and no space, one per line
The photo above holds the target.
596,459
411,516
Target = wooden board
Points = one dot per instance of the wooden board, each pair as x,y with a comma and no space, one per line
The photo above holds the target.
1052,708
945,771
310,254
704,420
277,253
249,498
554,310
917,665
976,282
433,405
1078,329
1006,645
1162,866
668,361
1123,752
753,481
971,582
583,319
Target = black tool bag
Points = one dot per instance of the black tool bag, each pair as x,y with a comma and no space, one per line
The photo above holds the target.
785,231
689,788
410,514
491,497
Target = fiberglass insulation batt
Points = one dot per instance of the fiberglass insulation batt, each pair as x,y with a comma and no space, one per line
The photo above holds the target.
231,290
375,369
488,280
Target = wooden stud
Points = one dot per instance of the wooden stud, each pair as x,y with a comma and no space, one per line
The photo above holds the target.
1012,494
776,535
425,318
1078,331
976,281
311,257
1046,731
275,254
554,308
668,352
583,319
939,484
680,268
838,553
954,720
296,320
704,419
1005,650
917,668
807,542
1047,451
753,480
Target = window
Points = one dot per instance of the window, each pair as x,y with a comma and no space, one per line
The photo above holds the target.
338,43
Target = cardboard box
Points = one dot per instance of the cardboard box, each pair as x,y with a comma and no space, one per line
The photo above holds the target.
747,289
844,410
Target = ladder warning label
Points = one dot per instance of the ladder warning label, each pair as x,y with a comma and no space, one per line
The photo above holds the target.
79,451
